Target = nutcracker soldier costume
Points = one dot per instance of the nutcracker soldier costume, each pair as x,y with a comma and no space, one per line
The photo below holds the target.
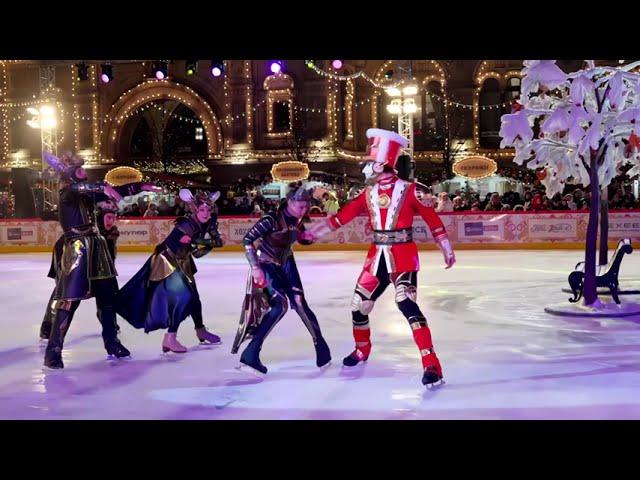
391,204
163,292
85,268
274,282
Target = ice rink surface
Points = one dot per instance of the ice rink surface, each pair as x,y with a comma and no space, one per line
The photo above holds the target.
503,357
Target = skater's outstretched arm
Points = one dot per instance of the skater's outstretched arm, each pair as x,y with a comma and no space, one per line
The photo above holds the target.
102,191
434,223
347,213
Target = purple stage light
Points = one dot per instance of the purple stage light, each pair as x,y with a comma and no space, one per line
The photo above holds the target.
216,71
337,64
276,67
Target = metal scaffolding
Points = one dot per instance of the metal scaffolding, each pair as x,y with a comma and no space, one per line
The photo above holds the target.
405,115
48,137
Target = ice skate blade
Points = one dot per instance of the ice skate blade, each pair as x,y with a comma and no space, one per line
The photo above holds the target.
205,343
357,365
250,370
114,358
46,368
435,385
325,366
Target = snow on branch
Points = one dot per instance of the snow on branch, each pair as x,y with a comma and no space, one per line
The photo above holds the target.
569,122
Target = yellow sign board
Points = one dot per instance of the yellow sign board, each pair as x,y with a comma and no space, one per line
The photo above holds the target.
475,167
122,176
292,171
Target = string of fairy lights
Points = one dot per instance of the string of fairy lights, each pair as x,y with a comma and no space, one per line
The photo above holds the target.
363,75
331,109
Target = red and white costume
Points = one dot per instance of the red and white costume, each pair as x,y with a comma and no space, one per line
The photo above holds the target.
391,204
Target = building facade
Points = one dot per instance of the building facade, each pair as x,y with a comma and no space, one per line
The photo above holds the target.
249,117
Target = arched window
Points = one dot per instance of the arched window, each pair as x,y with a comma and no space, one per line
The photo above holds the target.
490,112
429,124
279,88
512,91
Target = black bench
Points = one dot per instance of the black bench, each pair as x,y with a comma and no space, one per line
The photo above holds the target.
605,277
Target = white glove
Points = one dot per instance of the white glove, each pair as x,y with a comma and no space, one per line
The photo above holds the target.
320,229
447,251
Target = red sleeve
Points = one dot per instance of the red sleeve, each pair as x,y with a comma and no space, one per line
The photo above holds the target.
429,215
350,211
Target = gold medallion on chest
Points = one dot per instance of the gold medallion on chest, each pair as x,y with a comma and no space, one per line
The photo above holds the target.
384,201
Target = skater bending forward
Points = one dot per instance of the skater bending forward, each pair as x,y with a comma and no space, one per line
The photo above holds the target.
273,271
163,293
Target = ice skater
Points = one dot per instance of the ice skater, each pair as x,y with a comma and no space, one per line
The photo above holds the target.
164,292
391,204
86,267
274,282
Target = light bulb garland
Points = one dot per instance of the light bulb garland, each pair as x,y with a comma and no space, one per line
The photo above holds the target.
227,104
179,167
184,94
248,103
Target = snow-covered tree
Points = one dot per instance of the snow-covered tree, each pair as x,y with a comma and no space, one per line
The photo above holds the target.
587,126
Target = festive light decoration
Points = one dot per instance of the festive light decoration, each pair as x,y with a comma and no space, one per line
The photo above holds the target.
227,104
5,122
160,69
484,72
248,102
76,107
94,112
191,67
83,72
177,167
337,64
279,88
348,107
180,93
276,66
106,74
218,67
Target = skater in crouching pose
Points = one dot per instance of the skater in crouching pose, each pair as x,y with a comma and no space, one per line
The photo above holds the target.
274,281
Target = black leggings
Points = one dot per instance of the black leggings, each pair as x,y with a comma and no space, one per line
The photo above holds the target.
284,284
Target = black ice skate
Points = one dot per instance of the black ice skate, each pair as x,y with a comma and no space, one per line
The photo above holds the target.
323,355
116,349
431,378
250,361
53,358
354,358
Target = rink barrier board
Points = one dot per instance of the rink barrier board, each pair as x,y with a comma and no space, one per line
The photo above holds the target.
335,247
467,230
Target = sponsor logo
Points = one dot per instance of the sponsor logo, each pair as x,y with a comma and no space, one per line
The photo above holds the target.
14,234
134,233
17,233
633,225
552,228
473,228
